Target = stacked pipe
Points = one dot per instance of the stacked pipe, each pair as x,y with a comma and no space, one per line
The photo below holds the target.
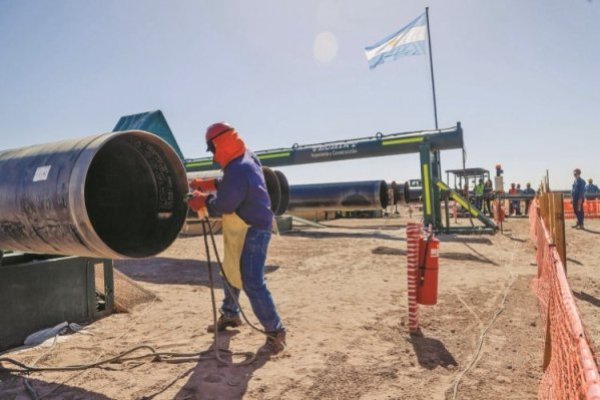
339,196
277,187
412,194
398,192
279,190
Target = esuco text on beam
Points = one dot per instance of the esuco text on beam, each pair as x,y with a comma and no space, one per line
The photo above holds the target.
373,146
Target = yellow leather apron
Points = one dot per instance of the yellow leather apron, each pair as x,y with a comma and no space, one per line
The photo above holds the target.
234,237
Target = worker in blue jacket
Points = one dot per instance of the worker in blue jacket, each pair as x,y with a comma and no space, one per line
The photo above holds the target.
530,192
241,199
578,197
591,190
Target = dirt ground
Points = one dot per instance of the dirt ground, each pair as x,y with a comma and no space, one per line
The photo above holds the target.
341,292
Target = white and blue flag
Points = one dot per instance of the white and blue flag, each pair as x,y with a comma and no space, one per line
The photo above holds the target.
408,41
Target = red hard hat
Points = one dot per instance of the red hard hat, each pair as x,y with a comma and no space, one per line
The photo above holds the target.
217,129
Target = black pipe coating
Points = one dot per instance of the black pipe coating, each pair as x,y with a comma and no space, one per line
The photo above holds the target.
114,195
341,196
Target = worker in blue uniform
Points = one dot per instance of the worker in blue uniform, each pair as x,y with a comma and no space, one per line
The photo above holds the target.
241,199
578,197
591,190
529,192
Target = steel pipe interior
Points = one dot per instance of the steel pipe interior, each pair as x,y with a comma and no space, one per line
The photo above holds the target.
125,208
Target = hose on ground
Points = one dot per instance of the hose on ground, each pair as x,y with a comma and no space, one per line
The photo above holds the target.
151,354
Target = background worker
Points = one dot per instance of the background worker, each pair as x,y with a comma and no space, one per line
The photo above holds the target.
465,190
488,193
528,191
392,200
578,197
518,201
240,197
591,190
479,194
513,204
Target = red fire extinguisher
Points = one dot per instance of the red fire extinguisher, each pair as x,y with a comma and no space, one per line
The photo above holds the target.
428,271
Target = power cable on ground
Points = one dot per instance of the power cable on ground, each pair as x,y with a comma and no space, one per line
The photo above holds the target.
151,353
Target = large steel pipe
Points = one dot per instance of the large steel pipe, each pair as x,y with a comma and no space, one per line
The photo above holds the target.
284,186
114,195
277,187
413,190
398,192
342,196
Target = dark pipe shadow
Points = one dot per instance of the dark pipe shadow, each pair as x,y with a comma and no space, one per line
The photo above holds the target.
13,386
212,380
173,271
456,256
320,235
383,250
390,227
574,261
481,257
515,239
587,297
389,251
469,239
591,231
431,353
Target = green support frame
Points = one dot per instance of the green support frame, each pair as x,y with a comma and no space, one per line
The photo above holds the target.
428,196
435,190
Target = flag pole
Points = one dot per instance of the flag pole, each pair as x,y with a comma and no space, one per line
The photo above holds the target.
431,68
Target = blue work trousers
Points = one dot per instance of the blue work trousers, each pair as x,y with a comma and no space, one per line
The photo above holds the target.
578,212
252,266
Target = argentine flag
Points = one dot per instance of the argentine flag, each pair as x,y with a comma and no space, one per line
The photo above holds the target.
408,41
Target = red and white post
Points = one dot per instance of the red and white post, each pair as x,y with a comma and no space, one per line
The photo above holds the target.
413,235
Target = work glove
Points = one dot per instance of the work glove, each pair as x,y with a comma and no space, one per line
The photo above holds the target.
198,202
204,185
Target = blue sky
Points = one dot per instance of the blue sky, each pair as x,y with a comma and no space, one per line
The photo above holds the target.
521,76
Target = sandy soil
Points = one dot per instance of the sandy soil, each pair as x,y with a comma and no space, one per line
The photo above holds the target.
342,294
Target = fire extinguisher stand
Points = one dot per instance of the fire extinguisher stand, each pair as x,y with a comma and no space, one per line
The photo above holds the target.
429,247
422,271
413,236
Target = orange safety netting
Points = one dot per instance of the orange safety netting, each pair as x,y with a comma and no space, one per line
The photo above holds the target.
591,209
571,371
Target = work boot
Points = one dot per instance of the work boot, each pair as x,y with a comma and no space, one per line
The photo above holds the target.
225,322
275,343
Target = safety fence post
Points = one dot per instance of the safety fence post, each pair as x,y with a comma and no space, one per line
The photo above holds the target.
558,227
